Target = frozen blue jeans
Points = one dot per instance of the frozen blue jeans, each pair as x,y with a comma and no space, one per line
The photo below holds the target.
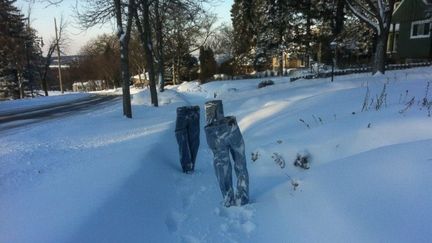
187,133
213,111
224,138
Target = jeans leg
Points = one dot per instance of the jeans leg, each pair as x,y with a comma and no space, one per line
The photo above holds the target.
184,151
194,136
237,149
223,170
238,154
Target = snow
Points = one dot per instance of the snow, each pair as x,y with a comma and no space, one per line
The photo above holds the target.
100,177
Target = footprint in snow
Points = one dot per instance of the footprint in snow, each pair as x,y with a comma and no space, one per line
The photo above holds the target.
236,219
189,239
173,220
190,195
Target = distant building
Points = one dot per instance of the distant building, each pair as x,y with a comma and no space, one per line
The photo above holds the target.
289,61
142,80
91,85
410,33
66,61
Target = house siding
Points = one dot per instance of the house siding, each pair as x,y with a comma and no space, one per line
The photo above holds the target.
412,48
409,10
408,48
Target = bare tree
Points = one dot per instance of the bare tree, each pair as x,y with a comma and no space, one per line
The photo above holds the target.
188,27
98,12
52,46
179,30
123,34
222,40
377,15
101,54
144,29
159,18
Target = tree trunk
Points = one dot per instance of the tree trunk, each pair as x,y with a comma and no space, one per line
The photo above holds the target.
308,33
58,56
21,86
174,72
160,51
380,54
45,85
44,72
339,17
383,13
381,47
124,37
124,65
42,75
146,40
281,64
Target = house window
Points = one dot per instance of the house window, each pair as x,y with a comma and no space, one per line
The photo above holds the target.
420,29
395,41
393,37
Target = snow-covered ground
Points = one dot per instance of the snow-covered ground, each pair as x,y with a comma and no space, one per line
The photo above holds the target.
99,177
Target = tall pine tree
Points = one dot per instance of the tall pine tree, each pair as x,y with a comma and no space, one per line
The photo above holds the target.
242,16
274,25
208,65
12,47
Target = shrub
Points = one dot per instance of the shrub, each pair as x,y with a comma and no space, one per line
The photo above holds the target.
264,83
302,161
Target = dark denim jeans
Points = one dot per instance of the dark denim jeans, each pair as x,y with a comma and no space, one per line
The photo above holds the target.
188,134
224,138
213,111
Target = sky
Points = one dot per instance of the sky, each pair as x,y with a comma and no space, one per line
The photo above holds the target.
42,19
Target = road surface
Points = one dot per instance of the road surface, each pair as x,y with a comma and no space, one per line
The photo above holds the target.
19,118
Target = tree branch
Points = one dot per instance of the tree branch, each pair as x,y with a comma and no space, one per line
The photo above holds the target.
363,17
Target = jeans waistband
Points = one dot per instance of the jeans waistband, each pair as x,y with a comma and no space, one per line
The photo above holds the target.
186,109
213,102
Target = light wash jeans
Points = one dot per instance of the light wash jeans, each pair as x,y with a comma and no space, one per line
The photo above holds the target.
213,111
224,138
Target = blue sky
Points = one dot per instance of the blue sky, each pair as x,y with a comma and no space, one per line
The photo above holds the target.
42,19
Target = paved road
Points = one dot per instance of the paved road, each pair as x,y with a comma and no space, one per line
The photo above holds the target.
20,118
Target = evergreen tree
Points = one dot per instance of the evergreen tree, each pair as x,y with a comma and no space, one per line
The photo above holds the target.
187,27
267,28
242,16
312,25
208,65
274,23
12,49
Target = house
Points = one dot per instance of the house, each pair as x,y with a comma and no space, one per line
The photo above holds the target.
410,33
91,85
66,61
289,61
142,80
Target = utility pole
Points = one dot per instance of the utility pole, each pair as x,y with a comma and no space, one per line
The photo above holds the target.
58,56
